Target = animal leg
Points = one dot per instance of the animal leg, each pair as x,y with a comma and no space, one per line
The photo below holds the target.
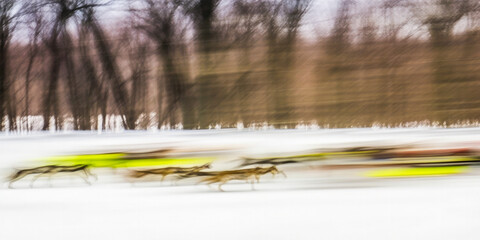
16,177
89,173
85,178
207,180
50,180
11,182
163,177
220,186
86,173
209,185
35,178
221,183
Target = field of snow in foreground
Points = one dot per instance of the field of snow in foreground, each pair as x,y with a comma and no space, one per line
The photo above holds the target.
434,209
292,208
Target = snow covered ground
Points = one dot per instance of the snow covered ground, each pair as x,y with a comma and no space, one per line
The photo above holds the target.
308,207
442,209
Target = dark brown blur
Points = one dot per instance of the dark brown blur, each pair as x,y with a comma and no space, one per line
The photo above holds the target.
202,63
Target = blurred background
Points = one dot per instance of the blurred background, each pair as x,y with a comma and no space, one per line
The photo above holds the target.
148,64
107,65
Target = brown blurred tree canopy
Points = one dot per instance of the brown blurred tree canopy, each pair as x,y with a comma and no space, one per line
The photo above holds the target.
202,63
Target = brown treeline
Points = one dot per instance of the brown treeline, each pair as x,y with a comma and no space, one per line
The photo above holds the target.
207,62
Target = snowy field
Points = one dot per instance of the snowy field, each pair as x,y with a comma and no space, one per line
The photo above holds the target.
315,205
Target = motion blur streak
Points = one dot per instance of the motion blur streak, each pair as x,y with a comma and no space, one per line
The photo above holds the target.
221,157
276,183
239,119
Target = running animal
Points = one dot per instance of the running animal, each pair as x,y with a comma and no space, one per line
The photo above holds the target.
167,171
249,175
51,170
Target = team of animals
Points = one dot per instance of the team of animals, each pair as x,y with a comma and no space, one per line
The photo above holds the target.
83,163
211,177
435,161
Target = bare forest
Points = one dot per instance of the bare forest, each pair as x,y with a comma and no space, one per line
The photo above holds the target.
197,64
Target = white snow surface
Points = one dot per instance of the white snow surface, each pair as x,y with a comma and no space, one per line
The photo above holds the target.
293,208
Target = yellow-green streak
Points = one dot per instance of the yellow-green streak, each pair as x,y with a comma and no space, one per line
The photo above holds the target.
163,162
117,160
420,171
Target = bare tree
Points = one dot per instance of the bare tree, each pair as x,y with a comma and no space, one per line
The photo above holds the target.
96,92
161,21
58,43
8,21
111,69
338,51
282,23
395,52
440,19
203,14
137,50
36,24
294,11
247,20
